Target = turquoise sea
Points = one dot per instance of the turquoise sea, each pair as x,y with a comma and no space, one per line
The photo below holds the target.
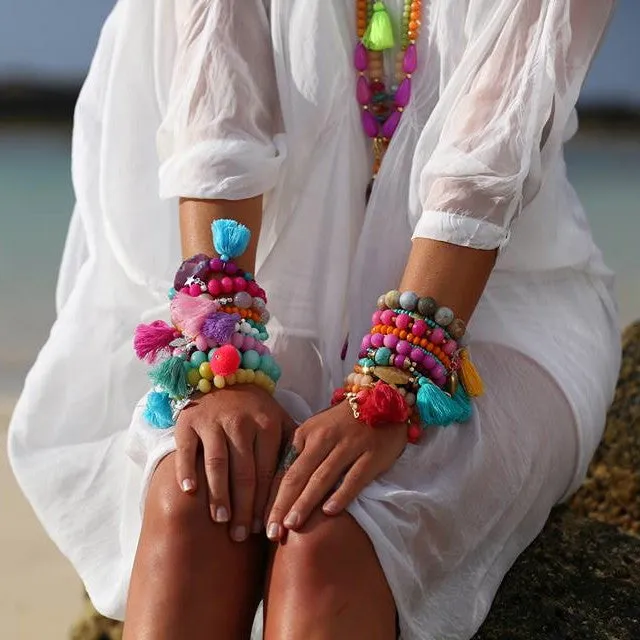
36,199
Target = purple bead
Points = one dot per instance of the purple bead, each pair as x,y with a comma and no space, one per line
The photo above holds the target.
390,341
375,318
429,363
361,57
417,355
391,124
377,340
410,60
366,342
387,316
216,265
450,347
437,336
440,371
230,268
370,124
400,362
237,340
403,94
195,267
363,91
403,348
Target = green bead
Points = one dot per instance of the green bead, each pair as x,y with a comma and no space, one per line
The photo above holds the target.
198,357
193,377
392,299
250,359
172,293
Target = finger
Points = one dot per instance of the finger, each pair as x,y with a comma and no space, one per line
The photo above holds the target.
361,474
243,482
295,479
216,466
266,449
321,483
185,460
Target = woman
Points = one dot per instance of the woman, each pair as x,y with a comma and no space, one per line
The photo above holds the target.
258,114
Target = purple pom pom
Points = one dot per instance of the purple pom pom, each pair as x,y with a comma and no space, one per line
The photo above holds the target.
220,327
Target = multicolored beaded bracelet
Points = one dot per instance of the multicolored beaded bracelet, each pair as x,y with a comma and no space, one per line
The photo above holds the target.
211,343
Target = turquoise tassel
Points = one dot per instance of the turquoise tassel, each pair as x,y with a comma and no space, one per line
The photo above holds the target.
158,411
170,376
230,238
439,409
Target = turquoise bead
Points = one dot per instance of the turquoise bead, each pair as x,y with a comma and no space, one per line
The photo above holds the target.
250,359
198,357
382,356
366,362
267,363
172,293
211,352
187,365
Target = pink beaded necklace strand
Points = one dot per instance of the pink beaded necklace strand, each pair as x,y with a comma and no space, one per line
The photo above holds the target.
381,110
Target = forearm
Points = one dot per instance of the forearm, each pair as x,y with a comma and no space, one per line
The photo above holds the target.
455,276
196,217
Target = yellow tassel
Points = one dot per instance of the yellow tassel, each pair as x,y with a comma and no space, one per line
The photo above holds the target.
469,376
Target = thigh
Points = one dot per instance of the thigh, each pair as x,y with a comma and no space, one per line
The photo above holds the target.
325,582
190,580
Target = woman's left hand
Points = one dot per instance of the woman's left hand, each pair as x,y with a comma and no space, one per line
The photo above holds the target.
330,446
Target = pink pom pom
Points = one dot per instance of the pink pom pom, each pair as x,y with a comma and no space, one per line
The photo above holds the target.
188,314
225,360
150,339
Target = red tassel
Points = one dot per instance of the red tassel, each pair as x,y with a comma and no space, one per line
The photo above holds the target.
383,405
151,339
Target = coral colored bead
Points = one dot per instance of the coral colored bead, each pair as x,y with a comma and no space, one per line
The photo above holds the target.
194,290
213,287
437,335
413,433
386,317
227,284
185,290
419,328
377,340
390,341
204,386
225,361
402,321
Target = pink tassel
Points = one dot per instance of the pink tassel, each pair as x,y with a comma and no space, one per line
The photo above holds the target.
188,314
151,339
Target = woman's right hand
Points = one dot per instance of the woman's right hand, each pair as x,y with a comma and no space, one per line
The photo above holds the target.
240,430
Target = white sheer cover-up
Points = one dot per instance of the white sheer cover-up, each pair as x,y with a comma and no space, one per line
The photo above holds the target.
194,98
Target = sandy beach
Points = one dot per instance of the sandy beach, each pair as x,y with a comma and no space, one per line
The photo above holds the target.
40,594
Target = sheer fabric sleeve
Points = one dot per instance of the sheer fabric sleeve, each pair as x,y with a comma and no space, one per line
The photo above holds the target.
219,136
479,157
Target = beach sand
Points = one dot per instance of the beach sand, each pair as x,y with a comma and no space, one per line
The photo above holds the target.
40,594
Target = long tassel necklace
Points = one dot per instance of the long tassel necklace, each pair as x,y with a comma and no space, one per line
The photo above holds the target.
382,106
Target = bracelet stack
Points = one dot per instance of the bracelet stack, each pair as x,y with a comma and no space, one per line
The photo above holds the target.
412,367
217,331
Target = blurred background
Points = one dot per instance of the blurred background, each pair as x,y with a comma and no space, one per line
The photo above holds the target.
45,50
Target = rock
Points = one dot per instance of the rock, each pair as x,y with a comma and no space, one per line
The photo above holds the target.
580,579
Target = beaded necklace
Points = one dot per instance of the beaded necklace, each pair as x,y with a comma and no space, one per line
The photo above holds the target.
382,108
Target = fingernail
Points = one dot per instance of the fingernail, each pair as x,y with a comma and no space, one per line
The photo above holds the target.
239,533
257,526
330,507
188,485
292,519
272,531
222,515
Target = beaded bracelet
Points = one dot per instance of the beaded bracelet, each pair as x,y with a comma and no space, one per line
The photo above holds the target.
211,343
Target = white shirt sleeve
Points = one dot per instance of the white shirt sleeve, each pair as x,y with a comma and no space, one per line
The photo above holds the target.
509,98
219,136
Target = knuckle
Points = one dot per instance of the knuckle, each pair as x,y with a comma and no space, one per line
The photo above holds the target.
215,462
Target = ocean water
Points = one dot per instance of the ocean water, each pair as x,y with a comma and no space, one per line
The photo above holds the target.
36,199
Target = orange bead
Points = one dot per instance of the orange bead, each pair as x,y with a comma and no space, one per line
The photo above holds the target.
402,335
414,25
423,343
410,337
415,15
429,347
416,340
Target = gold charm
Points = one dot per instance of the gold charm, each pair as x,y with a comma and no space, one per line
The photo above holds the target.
452,383
391,375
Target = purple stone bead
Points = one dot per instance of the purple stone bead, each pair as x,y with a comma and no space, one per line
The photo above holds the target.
410,60
390,341
403,348
377,340
363,91
417,355
216,265
429,363
370,124
437,336
361,57
403,94
366,342
195,267
230,268
391,124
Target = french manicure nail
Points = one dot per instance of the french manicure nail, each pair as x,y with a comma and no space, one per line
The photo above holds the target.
292,519
222,515
188,485
272,531
239,533
330,508
257,526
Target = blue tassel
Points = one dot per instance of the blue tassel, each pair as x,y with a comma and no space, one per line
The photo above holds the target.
170,376
158,411
230,238
439,409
